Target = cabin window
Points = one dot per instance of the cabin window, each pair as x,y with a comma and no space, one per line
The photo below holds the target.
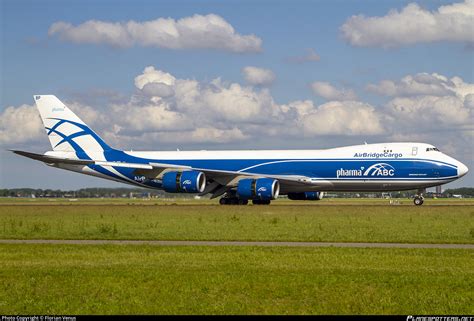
414,151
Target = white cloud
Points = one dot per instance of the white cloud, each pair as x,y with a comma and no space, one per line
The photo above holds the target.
342,118
329,92
423,84
431,112
310,56
300,107
159,139
88,114
427,102
152,75
166,110
238,104
20,124
195,32
419,84
149,118
169,110
412,25
158,90
258,76
216,100
210,134
462,89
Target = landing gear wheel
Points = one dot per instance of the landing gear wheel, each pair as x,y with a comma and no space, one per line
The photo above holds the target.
243,202
418,200
232,201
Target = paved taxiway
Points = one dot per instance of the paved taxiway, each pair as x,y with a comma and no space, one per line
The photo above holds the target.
245,243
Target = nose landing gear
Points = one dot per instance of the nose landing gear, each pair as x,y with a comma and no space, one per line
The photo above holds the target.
418,200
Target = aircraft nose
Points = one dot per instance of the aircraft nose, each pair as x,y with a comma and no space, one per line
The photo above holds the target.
462,169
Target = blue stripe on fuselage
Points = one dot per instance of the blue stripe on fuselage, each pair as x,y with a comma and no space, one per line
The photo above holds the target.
330,169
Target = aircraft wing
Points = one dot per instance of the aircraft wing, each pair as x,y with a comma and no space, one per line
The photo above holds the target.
221,180
228,179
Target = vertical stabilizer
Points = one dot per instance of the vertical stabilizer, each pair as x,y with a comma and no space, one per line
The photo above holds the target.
65,130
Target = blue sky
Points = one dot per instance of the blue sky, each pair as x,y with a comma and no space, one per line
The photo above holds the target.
286,28
34,62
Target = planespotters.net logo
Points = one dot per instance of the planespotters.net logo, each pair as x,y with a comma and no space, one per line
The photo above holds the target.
376,170
439,318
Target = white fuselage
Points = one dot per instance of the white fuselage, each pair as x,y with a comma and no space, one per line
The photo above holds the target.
369,167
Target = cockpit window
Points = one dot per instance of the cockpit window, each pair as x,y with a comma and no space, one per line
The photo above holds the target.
430,149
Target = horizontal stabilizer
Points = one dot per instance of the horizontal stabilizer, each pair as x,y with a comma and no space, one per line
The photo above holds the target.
52,159
60,160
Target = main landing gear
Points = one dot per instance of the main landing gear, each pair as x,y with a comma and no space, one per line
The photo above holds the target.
232,201
230,198
239,201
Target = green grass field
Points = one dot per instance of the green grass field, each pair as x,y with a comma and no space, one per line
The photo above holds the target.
78,279
358,223
143,279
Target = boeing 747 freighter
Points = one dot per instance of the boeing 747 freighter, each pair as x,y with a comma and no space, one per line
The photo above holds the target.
240,176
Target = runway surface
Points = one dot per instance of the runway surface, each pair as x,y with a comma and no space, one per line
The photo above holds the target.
245,243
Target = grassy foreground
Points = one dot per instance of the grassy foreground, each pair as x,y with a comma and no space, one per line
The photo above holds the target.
82,279
357,223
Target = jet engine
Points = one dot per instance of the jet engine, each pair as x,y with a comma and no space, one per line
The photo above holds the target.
306,196
184,182
258,189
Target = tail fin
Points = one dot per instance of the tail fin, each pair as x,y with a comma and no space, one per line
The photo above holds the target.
66,131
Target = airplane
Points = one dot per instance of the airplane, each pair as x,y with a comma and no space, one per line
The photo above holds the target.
240,176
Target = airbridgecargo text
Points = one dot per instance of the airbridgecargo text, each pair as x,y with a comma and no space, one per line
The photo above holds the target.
378,155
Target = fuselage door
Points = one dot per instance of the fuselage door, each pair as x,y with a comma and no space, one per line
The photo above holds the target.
414,151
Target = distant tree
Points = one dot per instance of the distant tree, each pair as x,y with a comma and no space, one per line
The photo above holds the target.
464,191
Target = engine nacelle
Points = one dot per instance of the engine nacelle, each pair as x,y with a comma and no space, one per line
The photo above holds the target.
184,182
258,189
306,196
